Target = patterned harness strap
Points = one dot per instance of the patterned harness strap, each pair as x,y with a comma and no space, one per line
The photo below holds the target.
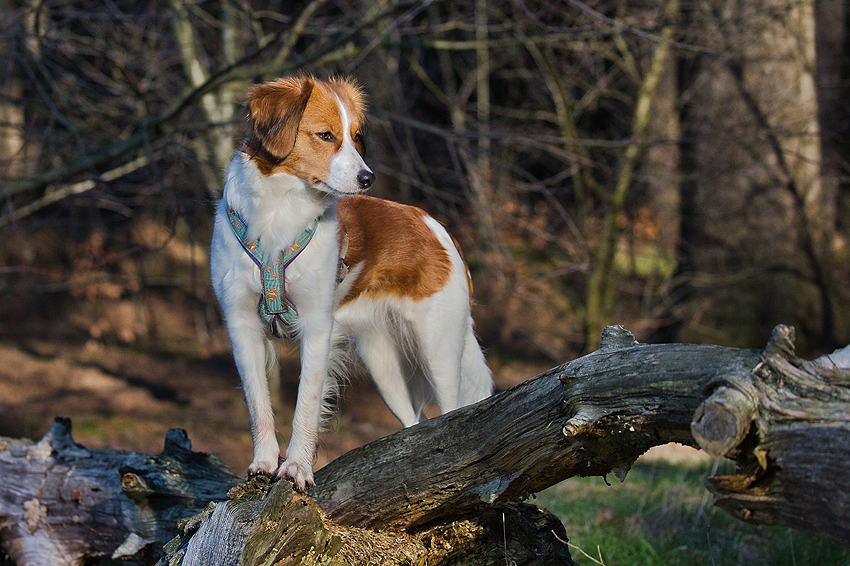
276,309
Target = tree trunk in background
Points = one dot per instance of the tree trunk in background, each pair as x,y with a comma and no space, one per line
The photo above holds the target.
14,161
660,169
830,39
218,107
657,223
755,198
11,123
833,71
602,280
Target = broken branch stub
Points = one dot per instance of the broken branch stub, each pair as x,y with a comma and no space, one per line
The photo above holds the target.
790,437
723,421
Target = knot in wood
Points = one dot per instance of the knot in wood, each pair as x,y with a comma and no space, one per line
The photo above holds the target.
617,337
567,378
132,483
176,442
579,424
782,341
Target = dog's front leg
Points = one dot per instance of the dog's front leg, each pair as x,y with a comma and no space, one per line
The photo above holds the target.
315,332
251,349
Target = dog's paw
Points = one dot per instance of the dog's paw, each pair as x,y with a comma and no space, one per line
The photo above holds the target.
262,468
300,474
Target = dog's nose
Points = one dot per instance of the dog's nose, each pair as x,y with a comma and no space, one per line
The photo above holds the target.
365,178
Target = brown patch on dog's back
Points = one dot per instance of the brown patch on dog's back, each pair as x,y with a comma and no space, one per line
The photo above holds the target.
400,254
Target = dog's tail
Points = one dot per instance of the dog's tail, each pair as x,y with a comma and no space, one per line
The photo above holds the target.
476,381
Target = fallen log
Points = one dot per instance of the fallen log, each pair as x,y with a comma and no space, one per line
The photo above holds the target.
61,503
590,417
449,485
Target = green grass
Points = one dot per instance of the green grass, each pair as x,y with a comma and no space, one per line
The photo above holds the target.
662,515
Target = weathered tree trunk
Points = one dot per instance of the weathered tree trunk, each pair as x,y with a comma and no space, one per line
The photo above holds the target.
591,416
62,504
445,488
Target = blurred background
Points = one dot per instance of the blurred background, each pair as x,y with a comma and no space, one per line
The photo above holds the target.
678,167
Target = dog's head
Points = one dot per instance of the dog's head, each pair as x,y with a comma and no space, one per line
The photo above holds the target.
311,129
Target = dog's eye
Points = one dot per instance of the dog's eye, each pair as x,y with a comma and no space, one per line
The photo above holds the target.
326,136
358,138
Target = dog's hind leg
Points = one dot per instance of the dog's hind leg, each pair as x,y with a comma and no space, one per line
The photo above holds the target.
438,335
452,359
442,362
381,354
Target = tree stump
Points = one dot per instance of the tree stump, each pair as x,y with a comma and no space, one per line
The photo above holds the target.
266,523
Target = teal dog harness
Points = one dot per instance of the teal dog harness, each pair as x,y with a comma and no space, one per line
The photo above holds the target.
277,311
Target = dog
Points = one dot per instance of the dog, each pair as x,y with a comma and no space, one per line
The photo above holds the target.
298,252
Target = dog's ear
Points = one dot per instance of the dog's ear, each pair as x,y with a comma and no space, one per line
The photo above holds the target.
275,110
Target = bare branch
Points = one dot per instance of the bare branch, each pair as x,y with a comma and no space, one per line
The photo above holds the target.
65,191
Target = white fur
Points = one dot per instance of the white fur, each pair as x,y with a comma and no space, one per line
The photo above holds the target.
347,163
411,348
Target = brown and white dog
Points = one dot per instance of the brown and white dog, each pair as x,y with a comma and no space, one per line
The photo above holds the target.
404,303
